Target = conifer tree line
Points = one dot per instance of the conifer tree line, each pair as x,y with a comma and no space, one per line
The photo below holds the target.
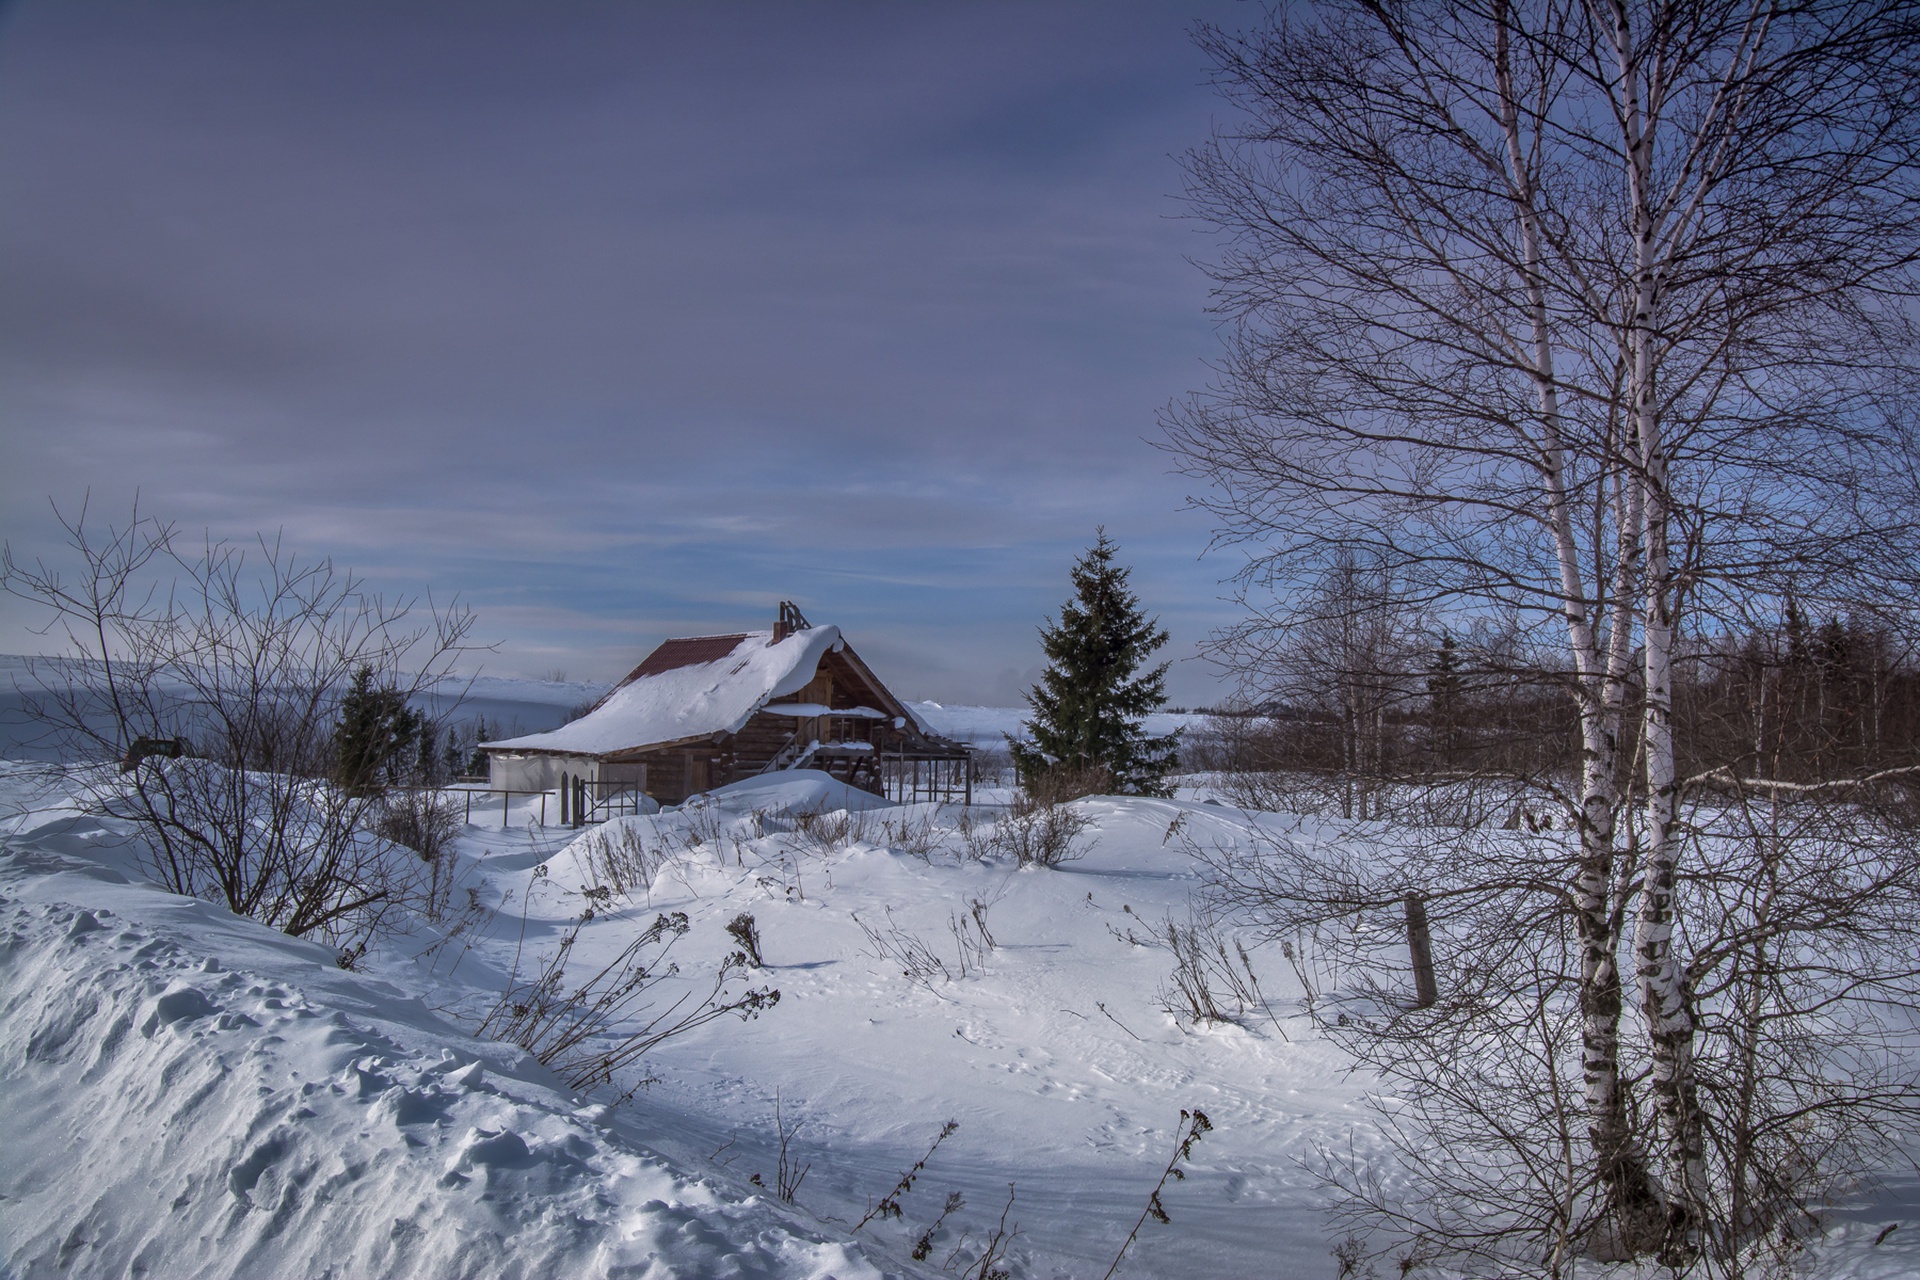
1792,702
380,739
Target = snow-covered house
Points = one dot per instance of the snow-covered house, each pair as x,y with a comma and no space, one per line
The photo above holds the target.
703,711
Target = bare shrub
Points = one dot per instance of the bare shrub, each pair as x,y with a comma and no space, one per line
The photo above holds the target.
423,822
215,673
923,1244
975,835
989,1263
617,855
461,912
1194,1125
1306,795
1232,741
1205,970
1191,992
593,1032
1060,783
918,961
1034,833
707,827
972,939
977,909
828,832
766,824
919,838
788,1172
1425,800
419,820
992,765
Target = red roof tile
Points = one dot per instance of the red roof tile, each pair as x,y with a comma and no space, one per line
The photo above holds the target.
688,652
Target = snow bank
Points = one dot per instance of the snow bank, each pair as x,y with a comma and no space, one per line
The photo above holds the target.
189,1094
185,1093
790,792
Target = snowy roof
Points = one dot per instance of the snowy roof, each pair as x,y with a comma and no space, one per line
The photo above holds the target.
691,688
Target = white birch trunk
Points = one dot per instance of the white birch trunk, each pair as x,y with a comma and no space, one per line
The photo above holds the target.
1663,998
1619,1165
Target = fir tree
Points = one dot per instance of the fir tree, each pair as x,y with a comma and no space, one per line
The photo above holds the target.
462,756
1443,691
1088,706
373,738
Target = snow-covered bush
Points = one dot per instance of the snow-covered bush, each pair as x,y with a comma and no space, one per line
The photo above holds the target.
215,674
1033,833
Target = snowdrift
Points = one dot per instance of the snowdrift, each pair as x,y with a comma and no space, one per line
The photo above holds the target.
186,1093
189,1094
790,793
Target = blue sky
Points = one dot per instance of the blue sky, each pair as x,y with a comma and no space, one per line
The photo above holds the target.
623,321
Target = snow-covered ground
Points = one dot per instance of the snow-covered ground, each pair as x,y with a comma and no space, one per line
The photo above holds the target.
186,1093
189,1094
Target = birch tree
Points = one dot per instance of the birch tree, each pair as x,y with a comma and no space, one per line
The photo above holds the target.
1584,313
1343,655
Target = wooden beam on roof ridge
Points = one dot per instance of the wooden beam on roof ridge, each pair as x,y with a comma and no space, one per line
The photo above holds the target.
884,695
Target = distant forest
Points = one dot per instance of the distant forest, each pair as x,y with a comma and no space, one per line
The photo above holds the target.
1796,703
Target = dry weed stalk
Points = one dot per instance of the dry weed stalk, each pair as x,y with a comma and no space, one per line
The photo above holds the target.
889,1205
618,856
589,1033
916,959
1194,1125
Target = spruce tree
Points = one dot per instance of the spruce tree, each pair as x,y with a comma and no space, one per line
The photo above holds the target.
1443,692
1088,706
374,734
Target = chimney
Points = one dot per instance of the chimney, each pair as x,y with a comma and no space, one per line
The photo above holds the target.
789,621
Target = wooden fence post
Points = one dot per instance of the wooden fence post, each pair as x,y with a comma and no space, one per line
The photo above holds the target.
1420,944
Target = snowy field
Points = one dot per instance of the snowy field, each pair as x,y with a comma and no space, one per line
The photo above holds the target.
189,1094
